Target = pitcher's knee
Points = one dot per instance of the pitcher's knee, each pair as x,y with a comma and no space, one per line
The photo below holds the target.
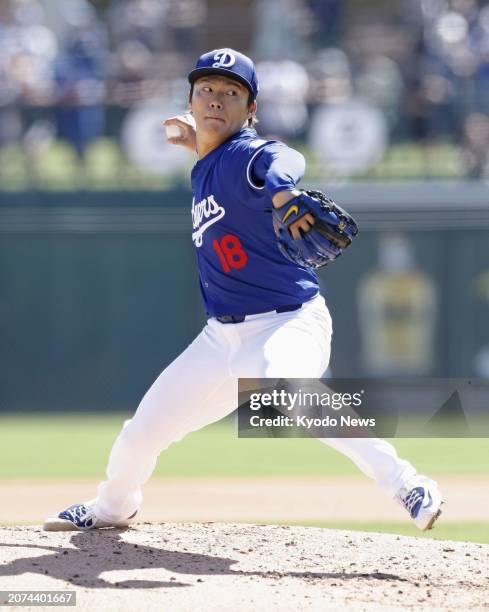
136,433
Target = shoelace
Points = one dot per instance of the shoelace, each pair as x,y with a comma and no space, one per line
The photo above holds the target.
411,499
81,514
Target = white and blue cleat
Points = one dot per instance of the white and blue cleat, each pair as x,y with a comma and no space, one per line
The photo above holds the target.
81,517
421,497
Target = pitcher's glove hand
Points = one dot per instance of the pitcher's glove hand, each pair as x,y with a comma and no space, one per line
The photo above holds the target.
333,229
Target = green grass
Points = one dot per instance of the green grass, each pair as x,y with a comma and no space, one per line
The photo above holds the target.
77,446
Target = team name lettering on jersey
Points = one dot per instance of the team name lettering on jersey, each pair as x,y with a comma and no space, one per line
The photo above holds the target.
209,210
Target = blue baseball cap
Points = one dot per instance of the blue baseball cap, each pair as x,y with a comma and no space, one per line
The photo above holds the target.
229,63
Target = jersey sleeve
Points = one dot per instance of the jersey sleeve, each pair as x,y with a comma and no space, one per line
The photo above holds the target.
275,167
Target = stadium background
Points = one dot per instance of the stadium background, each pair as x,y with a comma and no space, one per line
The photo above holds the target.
388,101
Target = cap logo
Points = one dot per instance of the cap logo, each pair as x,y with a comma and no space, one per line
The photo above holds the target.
224,59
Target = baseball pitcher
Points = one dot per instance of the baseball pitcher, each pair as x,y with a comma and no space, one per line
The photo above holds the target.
258,241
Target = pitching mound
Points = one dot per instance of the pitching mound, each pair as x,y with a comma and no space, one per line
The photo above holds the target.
212,566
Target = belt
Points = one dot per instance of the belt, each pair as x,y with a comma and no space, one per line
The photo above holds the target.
241,318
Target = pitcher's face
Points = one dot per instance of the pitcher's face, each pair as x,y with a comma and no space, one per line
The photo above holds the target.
219,106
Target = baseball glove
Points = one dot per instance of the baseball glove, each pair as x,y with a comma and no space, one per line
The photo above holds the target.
332,232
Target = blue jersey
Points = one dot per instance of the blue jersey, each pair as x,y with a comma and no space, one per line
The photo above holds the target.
241,269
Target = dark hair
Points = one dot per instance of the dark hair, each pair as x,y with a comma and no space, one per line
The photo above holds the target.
252,121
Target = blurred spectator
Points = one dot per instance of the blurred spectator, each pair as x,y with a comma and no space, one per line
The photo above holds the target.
80,94
138,20
481,44
10,119
427,106
134,77
283,89
282,29
326,18
453,49
149,39
185,19
475,153
27,49
380,83
27,52
331,78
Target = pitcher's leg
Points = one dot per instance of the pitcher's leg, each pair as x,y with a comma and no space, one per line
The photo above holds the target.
191,392
377,459
293,344
297,345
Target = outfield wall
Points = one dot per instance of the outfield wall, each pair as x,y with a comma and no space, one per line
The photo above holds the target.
99,291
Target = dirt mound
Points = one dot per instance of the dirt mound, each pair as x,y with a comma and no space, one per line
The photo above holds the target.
218,567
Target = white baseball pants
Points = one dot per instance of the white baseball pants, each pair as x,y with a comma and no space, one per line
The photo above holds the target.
201,387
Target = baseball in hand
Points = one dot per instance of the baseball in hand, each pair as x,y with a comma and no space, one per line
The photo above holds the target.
173,131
